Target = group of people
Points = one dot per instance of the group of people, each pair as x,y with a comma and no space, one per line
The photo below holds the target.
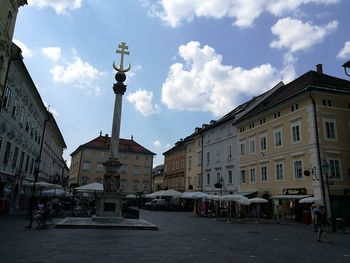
320,223
40,213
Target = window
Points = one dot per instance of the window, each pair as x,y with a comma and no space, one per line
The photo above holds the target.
230,178
218,176
263,142
334,169
218,155
229,130
294,107
100,167
296,132
31,166
27,163
137,157
208,179
229,152
278,138
208,157
21,160
252,146
124,168
330,129
21,116
28,123
298,169
123,184
177,165
189,163
15,107
279,171
277,115
262,121
199,158
241,130
146,170
86,166
14,160
7,97
7,153
87,152
263,173
182,164
136,170
135,185
242,148
145,186
242,176
101,155
252,175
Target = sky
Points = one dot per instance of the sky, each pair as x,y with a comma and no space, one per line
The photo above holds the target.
192,61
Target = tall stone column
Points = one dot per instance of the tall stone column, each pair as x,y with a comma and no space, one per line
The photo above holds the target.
109,203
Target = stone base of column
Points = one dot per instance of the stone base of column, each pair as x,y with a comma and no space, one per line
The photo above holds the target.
109,207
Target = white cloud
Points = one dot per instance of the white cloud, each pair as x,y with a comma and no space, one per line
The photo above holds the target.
53,53
78,73
157,144
203,83
26,52
60,6
345,51
142,100
50,109
244,12
296,35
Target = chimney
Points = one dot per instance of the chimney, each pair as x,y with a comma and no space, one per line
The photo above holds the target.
106,135
319,68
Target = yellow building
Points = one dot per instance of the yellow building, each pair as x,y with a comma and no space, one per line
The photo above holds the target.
194,161
296,143
175,167
136,171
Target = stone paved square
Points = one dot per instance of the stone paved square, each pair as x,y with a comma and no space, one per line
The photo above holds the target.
182,237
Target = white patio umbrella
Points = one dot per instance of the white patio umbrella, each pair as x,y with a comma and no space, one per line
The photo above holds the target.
170,193
54,192
257,200
44,185
309,200
154,194
130,196
214,197
233,197
93,187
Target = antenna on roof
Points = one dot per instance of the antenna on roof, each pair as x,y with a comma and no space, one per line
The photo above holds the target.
132,137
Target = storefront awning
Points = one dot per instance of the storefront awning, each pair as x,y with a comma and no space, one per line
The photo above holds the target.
289,197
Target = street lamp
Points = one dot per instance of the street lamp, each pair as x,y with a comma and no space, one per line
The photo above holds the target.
345,66
219,184
36,172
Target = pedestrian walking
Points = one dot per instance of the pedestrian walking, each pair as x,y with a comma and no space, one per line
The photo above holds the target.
314,211
322,223
32,209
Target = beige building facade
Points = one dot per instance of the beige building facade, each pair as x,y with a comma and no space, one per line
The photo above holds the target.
135,173
194,162
296,143
175,167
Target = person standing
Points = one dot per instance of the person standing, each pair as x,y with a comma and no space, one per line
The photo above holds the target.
323,224
314,211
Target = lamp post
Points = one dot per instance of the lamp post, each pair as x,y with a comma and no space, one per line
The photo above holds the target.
345,66
36,172
325,170
219,184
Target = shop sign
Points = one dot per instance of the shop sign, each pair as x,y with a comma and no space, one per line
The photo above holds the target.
294,191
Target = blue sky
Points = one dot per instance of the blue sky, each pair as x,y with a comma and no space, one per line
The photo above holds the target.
192,60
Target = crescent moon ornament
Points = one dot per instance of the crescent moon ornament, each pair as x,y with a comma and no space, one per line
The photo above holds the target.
122,51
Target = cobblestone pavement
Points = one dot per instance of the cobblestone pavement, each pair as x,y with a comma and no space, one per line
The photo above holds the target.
182,237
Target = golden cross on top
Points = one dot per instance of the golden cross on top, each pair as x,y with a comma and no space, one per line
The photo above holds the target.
122,52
